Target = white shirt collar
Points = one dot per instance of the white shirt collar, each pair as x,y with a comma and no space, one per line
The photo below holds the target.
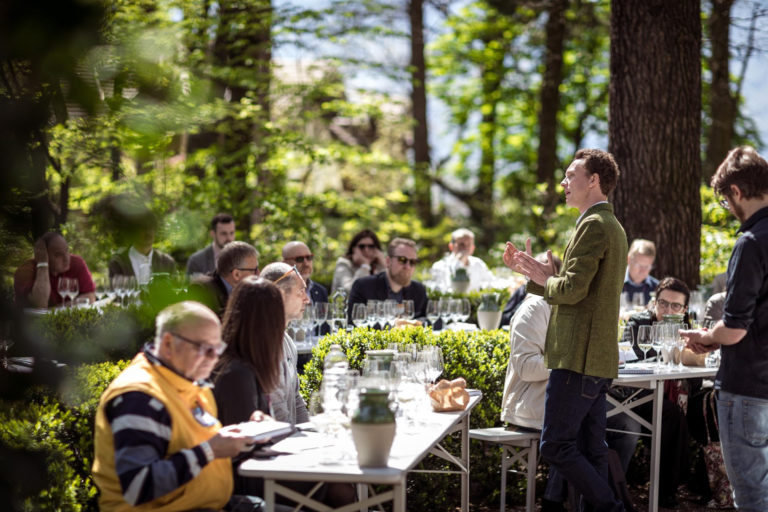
142,265
585,211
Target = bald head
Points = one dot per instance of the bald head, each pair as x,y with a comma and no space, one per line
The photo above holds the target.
188,339
297,253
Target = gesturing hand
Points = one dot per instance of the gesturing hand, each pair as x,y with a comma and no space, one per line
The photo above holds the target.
510,251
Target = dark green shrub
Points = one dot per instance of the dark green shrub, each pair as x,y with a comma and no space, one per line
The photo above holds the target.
77,335
59,426
481,358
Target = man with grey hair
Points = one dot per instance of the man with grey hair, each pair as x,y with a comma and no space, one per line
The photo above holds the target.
157,440
286,402
462,248
237,260
395,283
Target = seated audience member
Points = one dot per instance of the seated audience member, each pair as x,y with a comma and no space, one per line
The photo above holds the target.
287,404
141,260
250,370
158,443
222,232
395,283
237,261
297,253
713,311
462,248
518,296
672,297
638,279
36,281
364,258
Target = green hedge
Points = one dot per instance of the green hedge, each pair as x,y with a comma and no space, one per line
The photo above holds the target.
58,426
481,358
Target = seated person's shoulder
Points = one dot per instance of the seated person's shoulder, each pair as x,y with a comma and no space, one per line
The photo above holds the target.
137,404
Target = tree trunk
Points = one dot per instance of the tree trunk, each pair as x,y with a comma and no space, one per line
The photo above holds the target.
722,104
482,201
654,128
244,44
422,196
550,100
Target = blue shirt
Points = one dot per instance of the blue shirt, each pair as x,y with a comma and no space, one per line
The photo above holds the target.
647,286
744,366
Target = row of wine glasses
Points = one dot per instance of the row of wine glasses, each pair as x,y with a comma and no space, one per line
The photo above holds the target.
448,310
664,339
381,312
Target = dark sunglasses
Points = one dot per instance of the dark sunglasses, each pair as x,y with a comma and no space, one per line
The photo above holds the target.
204,349
366,246
403,260
302,259
255,269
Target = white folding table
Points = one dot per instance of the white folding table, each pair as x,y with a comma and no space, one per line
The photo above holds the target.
654,382
410,446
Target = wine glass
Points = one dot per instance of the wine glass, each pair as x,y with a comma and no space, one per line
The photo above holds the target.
657,342
444,310
63,289
432,312
408,309
432,357
373,313
359,314
466,310
321,315
118,286
644,340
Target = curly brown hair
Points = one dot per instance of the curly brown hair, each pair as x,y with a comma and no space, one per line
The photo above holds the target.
602,163
745,168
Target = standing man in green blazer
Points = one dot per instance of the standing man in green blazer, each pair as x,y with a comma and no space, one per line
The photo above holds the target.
581,346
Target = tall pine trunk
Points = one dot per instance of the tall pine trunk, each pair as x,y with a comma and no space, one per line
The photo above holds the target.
654,128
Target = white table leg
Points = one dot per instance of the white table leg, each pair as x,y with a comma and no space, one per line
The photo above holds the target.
398,501
362,495
465,460
653,489
269,494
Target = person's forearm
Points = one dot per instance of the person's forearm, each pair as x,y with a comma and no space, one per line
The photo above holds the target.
41,289
723,335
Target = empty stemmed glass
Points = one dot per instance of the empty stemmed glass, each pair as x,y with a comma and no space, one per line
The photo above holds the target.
320,316
69,287
359,314
432,356
433,315
657,342
444,310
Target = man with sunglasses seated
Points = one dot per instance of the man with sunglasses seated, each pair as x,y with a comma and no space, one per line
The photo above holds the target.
237,260
395,282
298,254
158,443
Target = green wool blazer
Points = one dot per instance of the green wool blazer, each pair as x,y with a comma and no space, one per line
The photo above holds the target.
583,330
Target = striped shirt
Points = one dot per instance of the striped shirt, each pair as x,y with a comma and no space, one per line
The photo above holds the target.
141,427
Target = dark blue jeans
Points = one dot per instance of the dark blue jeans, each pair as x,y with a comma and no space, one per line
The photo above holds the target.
573,437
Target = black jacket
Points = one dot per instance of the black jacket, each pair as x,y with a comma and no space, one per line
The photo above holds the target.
377,288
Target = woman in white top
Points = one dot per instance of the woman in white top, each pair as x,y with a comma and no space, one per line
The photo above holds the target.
364,258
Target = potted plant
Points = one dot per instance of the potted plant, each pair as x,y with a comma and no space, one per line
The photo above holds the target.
460,280
489,311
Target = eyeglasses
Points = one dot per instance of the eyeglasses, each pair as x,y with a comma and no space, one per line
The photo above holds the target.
724,203
403,260
255,269
205,349
366,246
672,306
302,259
293,269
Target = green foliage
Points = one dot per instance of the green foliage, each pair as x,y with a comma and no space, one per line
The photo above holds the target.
718,234
59,426
76,335
480,357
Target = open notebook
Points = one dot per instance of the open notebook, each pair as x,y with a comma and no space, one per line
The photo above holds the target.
265,430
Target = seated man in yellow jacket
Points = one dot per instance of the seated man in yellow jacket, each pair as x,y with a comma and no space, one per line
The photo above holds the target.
158,444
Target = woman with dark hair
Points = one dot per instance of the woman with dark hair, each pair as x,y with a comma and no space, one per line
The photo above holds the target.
249,369
364,257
